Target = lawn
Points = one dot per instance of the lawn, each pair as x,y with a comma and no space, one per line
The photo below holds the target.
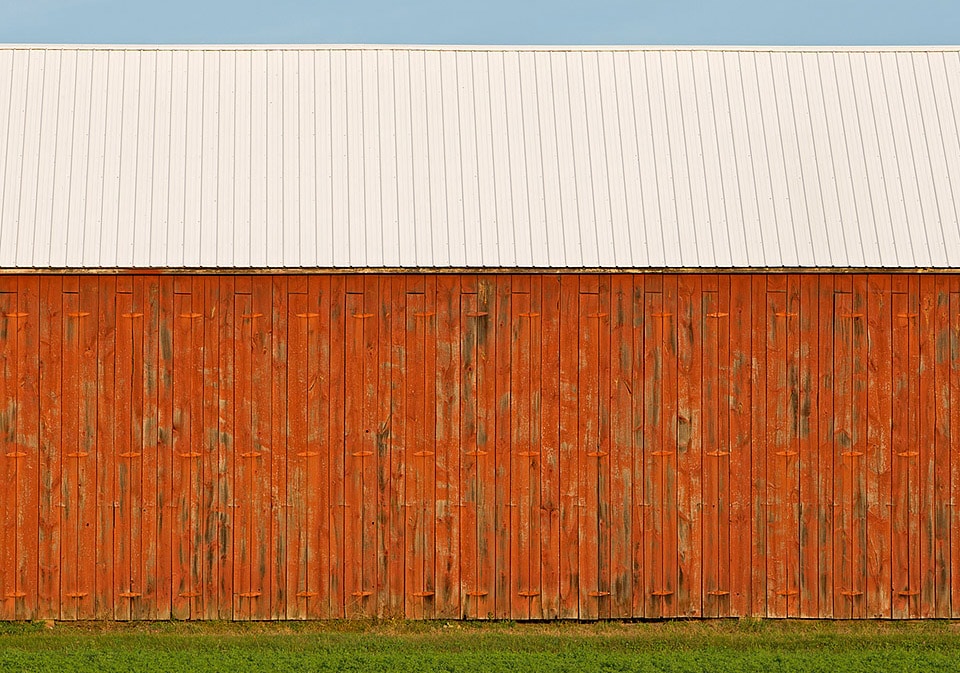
728,645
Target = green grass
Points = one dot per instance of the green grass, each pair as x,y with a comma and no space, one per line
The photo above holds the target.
746,645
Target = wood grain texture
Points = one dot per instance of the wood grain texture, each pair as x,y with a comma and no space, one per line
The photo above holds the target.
479,446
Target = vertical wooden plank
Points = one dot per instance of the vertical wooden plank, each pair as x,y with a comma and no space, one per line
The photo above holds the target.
905,595
51,411
145,605
138,430
777,452
590,452
670,412
791,471
209,444
725,398
470,480
827,425
89,571
844,589
549,446
69,465
858,453
226,497
243,450
915,453
277,554
397,506
689,453
165,465
27,447
620,503
520,454
879,417
941,487
297,493
502,482
487,439
638,434
604,524
194,473
121,461
715,458
653,453
568,456
926,407
427,336
358,453
9,329
758,450
809,440
741,414
262,540
414,443
954,448
381,299
338,509
182,457
447,393
103,416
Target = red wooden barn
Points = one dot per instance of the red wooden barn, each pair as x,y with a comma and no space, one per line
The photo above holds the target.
525,333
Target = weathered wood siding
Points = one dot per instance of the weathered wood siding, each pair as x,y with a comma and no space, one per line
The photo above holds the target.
445,446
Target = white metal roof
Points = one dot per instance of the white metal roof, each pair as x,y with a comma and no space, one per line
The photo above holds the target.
567,157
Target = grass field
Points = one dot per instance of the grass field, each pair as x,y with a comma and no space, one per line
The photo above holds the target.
451,646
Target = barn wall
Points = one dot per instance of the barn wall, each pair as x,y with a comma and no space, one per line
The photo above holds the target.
443,446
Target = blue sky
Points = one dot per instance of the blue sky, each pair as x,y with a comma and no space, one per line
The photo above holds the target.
804,22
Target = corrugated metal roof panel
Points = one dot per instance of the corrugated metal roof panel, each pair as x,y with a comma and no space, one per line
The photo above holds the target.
349,157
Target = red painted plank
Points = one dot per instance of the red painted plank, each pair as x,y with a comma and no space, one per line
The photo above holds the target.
825,486
604,523
427,336
262,540
758,453
9,328
715,459
379,288
669,411
121,455
568,458
51,364
926,408
486,448
470,479
87,464
106,449
954,446
940,298
138,417
447,392
27,443
338,509
638,433
277,477
653,454
878,459
845,582
145,605
620,500
905,594
791,473
226,496
521,456
395,290
689,450
590,452
859,433
298,460
209,445
243,444
359,451
415,458
741,410
501,313
549,351
182,455
809,442
165,462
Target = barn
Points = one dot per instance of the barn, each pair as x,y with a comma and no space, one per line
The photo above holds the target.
449,332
